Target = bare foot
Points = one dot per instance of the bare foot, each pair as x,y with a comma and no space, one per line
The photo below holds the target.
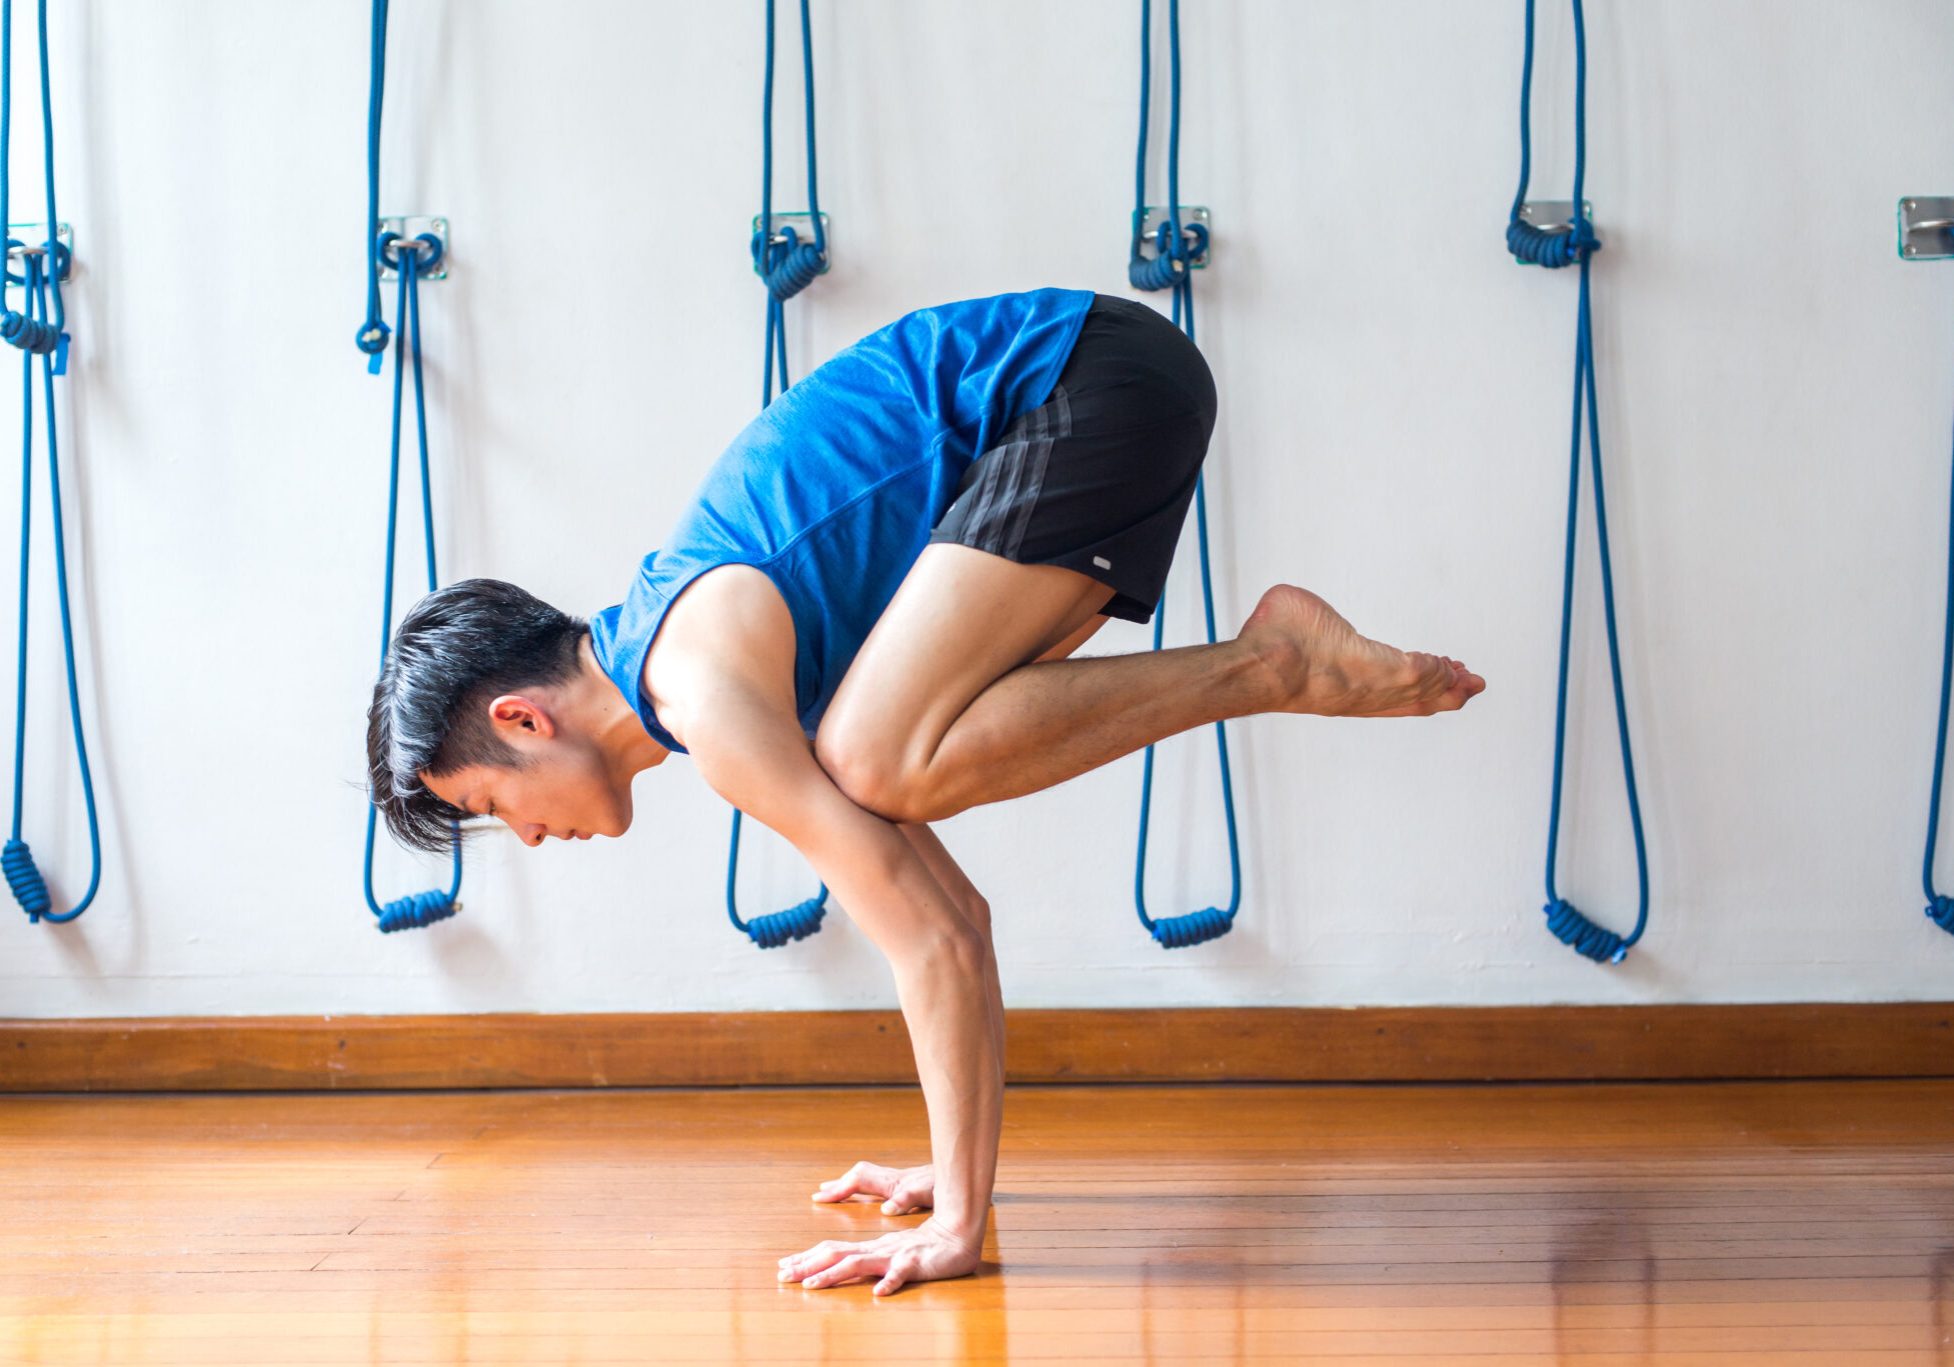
1322,666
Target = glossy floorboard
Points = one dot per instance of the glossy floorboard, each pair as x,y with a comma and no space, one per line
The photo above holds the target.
1727,1224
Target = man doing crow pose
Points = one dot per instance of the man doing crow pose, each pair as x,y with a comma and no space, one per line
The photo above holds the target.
860,625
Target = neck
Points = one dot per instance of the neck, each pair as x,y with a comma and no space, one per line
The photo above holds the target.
612,722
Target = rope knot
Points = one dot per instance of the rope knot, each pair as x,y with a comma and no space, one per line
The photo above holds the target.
29,888
417,909
1552,247
787,265
1941,912
29,334
1171,260
1583,936
798,922
1197,927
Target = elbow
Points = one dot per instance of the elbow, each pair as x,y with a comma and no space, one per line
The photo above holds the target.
878,785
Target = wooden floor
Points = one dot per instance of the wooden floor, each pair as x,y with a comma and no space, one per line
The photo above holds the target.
1771,1223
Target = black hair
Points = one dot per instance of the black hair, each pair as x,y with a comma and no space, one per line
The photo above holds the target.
455,650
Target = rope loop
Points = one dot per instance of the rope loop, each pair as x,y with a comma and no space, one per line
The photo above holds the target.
55,250
786,265
1166,244
421,253
1170,269
37,330
798,922
1941,912
1197,927
417,909
1583,936
789,266
428,250
24,877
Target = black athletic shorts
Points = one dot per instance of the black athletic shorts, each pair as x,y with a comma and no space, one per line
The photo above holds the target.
1098,477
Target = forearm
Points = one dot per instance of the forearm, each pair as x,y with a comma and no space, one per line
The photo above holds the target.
995,991
949,1001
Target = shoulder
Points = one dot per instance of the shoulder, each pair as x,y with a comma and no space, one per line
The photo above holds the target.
728,631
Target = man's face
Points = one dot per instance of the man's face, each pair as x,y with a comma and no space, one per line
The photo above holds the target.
562,790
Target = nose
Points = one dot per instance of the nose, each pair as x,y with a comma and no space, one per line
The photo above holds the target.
529,832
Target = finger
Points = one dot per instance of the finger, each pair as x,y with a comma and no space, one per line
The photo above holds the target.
871,1179
822,1254
902,1200
847,1270
901,1268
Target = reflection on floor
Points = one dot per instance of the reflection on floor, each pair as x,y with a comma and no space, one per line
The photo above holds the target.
1734,1224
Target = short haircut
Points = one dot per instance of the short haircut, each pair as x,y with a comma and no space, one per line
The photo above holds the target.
456,649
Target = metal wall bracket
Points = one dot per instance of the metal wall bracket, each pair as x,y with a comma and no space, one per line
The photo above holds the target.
1926,227
34,234
411,226
1554,215
1156,214
803,226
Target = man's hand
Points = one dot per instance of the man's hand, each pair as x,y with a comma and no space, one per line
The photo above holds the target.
926,1253
901,1189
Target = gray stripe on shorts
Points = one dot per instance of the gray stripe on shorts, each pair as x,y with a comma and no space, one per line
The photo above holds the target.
1031,475
1000,467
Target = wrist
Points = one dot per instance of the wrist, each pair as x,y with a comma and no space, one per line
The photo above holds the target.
965,1231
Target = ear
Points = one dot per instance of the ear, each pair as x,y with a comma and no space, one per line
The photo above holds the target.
517,717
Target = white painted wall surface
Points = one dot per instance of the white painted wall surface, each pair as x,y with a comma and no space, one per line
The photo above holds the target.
1776,395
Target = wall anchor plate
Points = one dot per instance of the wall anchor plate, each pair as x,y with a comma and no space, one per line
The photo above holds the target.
1926,227
1156,214
1554,215
803,226
411,226
34,234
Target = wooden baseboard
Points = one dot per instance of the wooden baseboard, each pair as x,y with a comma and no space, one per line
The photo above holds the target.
1205,1044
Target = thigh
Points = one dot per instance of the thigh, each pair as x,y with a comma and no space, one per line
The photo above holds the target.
961,619
1075,640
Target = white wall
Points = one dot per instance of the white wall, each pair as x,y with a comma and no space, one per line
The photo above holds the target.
1776,394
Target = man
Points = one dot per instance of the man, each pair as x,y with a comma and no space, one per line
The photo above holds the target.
859,626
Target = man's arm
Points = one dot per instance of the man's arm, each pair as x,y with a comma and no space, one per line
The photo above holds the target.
749,747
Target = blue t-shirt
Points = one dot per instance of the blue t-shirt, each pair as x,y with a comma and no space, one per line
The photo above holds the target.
833,490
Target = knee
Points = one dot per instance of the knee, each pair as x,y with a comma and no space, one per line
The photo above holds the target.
869,778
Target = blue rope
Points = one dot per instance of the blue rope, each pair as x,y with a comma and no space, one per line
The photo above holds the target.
1555,249
409,259
787,267
1940,907
1170,269
372,338
38,329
